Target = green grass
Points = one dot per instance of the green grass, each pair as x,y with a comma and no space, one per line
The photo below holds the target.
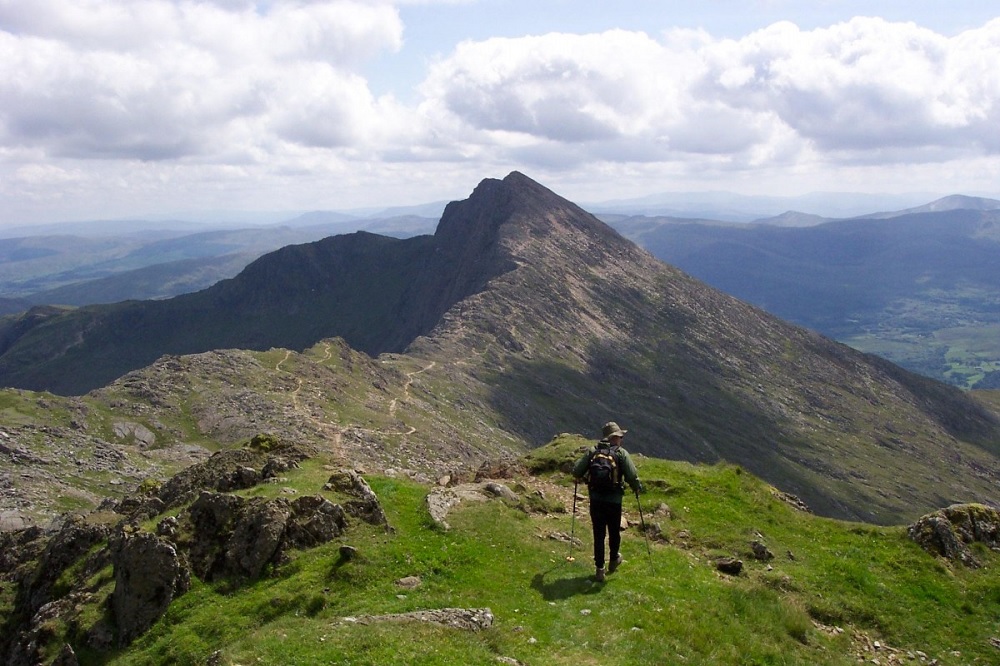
830,585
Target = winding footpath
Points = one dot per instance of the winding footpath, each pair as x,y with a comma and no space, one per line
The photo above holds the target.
333,433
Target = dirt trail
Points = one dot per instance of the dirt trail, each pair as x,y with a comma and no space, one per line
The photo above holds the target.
330,431
406,390
334,433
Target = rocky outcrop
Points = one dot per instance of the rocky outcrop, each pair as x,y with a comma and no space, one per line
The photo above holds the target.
220,536
264,458
366,506
949,532
149,574
315,520
34,564
227,536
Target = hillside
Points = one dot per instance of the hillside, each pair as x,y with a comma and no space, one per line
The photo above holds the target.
523,316
384,570
918,288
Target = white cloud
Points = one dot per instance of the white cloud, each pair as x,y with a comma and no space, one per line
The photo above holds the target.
860,87
154,80
151,101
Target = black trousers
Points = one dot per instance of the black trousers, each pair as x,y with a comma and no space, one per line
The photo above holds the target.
607,520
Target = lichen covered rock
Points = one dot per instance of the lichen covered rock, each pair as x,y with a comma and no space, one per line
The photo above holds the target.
950,531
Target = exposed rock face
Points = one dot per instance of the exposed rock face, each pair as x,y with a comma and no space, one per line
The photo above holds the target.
950,531
149,574
34,562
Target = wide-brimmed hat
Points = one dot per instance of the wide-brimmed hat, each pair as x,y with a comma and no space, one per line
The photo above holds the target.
611,429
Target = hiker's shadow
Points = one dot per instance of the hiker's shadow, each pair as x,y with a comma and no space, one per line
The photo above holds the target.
564,587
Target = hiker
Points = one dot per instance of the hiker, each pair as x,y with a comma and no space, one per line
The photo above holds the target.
606,468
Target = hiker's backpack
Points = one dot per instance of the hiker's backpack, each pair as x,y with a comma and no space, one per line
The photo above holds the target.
602,472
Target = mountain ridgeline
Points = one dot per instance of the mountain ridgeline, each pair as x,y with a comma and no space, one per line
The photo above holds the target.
537,318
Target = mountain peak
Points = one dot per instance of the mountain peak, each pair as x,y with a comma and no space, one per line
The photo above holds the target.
526,222
516,199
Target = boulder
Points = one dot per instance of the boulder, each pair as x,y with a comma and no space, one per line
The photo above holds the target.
760,551
315,520
729,565
501,491
950,531
366,506
256,540
149,574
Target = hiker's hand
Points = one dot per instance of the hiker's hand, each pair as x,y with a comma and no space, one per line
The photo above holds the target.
639,487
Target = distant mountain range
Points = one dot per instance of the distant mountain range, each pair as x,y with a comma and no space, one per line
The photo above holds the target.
523,316
919,286
93,269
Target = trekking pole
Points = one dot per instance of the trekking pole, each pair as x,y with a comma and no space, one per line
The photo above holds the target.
572,529
642,521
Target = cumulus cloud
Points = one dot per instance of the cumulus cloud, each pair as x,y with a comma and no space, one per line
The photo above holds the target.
846,91
155,80
273,95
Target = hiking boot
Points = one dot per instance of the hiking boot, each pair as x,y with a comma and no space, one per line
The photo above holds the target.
615,563
599,575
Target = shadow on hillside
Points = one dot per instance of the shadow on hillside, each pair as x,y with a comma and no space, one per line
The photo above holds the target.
557,589
677,405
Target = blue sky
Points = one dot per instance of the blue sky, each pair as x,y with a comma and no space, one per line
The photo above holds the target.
130,108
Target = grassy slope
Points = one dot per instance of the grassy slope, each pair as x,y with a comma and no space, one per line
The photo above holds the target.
665,605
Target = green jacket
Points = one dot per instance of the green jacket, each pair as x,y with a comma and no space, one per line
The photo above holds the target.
626,471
